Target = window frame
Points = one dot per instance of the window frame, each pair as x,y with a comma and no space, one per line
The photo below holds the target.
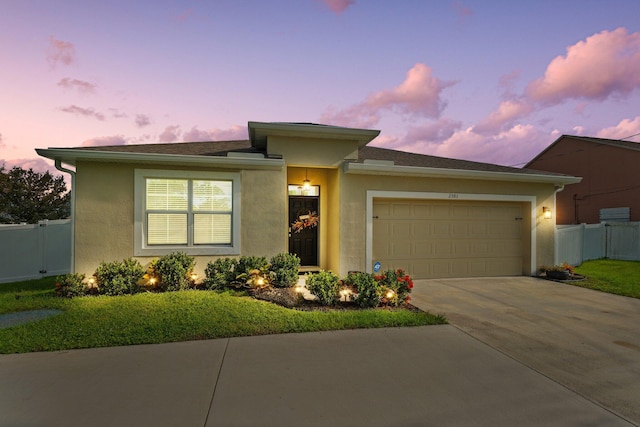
142,248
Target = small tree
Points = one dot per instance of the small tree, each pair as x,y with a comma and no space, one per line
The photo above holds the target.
29,196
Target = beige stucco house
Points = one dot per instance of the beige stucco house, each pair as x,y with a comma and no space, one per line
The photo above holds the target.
318,191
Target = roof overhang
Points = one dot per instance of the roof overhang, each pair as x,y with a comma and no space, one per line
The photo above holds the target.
259,131
426,172
71,156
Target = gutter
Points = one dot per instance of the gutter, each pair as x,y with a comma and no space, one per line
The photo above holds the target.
429,172
72,173
72,155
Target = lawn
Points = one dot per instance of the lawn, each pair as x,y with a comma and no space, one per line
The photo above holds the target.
612,276
146,318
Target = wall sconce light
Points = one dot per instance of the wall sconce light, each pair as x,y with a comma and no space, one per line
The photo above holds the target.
306,183
546,212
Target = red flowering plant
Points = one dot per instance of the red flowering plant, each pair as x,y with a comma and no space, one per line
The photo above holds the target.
396,286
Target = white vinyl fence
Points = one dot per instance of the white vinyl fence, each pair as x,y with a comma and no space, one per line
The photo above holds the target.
32,251
615,240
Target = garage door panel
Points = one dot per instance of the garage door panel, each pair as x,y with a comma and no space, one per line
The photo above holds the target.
401,230
432,239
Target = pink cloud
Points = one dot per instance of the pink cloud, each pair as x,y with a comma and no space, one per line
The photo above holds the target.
462,10
170,134
627,129
605,64
79,85
338,6
38,164
86,112
105,140
514,146
142,120
233,133
2,144
60,52
418,94
507,112
184,16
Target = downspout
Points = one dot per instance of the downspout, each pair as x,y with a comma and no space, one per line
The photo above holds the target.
59,166
559,188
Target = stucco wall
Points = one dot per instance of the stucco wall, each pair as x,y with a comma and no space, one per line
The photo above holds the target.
312,151
104,214
353,211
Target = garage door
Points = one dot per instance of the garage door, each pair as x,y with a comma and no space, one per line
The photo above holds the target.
442,238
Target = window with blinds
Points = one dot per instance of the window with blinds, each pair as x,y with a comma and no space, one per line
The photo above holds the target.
188,212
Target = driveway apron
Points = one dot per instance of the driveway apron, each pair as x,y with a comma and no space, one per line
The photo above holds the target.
589,341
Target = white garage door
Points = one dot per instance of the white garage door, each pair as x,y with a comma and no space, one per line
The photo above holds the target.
442,238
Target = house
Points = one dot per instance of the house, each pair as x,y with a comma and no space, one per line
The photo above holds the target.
610,186
318,191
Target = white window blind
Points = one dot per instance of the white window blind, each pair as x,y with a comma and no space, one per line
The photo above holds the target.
189,212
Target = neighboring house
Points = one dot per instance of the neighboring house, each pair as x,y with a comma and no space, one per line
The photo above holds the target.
610,183
361,207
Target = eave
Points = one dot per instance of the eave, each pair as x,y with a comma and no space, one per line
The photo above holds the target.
258,132
72,156
426,172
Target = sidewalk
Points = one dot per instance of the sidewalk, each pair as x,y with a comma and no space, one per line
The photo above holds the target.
433,375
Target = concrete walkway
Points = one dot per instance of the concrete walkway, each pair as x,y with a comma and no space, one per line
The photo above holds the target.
434,375
587,340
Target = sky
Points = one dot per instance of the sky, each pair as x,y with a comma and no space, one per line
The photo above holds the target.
490,81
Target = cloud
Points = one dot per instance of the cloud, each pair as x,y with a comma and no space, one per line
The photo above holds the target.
79,85
603,65
115,113
2,144
38,164
513,146
507,112
338,6
417,95
105,140
462,10
184,16
170,134
60,52
628,129
87,112
423,138
142,120
233,133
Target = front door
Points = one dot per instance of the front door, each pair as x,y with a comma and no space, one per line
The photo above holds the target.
303,228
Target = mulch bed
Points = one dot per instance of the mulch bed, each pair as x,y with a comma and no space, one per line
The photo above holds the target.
289,298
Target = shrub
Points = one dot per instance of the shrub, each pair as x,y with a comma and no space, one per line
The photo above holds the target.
325,286
248,263
71,285
285,267
366,287
258,278
174,271
395,287
220,273
119,278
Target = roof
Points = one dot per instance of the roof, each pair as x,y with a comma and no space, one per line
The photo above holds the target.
617,143
246,153
402,158
201,148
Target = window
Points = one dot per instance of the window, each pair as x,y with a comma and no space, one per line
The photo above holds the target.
197,213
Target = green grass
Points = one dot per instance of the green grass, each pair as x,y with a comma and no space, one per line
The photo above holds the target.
612,276
146,318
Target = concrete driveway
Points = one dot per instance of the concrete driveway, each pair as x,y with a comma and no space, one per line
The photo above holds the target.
586,340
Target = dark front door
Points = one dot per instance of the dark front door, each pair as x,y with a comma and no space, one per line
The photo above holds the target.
303,229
